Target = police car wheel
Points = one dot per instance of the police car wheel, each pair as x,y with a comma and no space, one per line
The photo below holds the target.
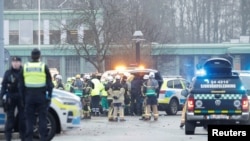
173,107
51,128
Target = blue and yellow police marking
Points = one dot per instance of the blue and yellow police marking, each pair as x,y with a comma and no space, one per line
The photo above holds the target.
223,96
217,111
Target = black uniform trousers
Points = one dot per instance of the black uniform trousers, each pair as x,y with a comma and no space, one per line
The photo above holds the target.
136,104
36,106
14,101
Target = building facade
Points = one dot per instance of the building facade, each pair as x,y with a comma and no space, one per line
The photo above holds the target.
21,36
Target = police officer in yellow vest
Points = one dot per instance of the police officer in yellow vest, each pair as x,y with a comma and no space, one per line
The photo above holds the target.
36,87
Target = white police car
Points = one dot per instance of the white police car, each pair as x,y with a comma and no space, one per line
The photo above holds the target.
170,98
64,114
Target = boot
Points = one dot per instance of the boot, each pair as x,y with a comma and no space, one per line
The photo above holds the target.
182,125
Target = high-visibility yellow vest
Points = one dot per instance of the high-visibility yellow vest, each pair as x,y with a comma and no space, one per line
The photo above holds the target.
34,74
103,91
68,86
97,89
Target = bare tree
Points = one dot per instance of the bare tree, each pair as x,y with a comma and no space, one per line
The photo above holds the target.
245,17
101,20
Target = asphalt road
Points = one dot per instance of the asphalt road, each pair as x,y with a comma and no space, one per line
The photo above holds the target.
100,129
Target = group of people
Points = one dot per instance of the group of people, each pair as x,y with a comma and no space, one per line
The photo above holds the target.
134,94
28,88
115,94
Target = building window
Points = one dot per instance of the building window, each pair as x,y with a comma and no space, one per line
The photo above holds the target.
35,37
54,37
88,37
72,66
72,37
13,37
26,32
187,66
53,62
13,32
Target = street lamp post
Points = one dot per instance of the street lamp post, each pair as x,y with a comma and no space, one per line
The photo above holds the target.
138,38
39,24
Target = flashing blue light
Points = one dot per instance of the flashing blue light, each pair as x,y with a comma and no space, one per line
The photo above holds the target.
201,72
242,88
206,80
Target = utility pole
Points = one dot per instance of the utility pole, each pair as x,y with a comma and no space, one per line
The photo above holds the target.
2,62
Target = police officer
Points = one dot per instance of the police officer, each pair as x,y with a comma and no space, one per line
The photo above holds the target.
13,99
36,86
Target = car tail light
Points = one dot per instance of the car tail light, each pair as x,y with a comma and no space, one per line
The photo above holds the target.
190,104
245,104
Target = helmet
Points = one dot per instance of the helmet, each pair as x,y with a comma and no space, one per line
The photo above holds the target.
87,76
110,78
69,79
78,76
117,77
151,75
59,77
146,77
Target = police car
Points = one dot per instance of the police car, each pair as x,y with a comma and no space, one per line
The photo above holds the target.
170,98
218,97
64,114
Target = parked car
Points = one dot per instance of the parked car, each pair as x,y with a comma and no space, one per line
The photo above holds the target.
170,98
64,114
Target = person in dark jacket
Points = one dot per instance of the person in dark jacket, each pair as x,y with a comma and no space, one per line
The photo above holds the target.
36,87
136,96
12,99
